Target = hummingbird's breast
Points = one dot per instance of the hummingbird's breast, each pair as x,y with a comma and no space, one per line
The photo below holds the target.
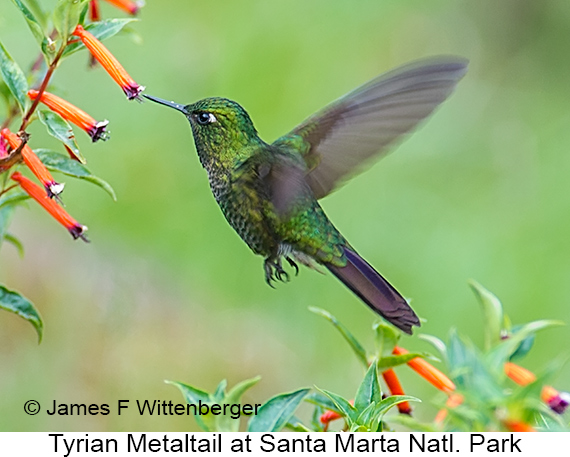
243,204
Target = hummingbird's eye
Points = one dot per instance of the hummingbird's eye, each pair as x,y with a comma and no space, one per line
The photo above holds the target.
206,118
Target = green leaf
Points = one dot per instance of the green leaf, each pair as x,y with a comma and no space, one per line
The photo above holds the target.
342,405
524,347
274,414
66,16
191,394
60,129
367,417
14,302
369,390
225,423
469,370
297,426
13,199
350,339
502,352
15,242
33,23
436,343
100,30
234,395
391,401
321,400
220,391
55,161
386,339
395,360
14,78
492,314
38,12
6,213
194,396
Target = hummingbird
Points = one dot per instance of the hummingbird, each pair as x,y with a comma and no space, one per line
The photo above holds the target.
269,192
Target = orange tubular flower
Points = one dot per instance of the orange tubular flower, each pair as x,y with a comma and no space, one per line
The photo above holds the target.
33,190
557,401
109,63
395,388
33,162
96,130
328,416
518,426
427,371
518,374
453,401
127,5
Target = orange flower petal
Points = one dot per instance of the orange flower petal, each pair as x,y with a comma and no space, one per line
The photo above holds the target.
127,5
518,426
518,374
96,130
59,214
109,63
33,162
453,401
328,416
427,371
395,388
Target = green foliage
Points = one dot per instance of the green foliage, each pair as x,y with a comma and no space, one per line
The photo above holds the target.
60,129
18,304
276,412
14,78
488,399
55,161
216,422
34,25
66,16
101,30
52,32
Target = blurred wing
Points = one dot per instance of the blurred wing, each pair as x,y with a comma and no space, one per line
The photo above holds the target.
366,121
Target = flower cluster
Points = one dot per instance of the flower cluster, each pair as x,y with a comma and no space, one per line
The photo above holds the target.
480,394
71,31
15,146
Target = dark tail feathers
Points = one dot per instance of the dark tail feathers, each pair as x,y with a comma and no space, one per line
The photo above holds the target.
359,276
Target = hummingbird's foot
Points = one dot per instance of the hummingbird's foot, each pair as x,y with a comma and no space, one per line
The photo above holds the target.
293,264
274,270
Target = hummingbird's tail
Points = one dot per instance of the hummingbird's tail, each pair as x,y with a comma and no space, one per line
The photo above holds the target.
359,276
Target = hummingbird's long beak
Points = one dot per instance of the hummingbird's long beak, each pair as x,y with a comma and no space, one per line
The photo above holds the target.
176,106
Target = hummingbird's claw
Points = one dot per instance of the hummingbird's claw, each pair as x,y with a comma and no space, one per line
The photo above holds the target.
274,270
268,267
293,264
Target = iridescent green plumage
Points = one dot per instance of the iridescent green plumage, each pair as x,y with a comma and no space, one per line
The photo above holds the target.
269,192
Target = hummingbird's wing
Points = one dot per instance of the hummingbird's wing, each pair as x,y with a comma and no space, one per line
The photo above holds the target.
363,123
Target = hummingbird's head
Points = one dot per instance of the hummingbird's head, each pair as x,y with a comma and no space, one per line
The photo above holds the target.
221,127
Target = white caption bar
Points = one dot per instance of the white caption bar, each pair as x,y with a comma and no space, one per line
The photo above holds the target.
169,444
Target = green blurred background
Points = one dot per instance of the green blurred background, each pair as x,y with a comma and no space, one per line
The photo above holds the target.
166,289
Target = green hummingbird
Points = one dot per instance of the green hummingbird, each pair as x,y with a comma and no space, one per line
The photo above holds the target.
269,192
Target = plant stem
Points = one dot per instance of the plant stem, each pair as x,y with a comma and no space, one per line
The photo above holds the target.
42,88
